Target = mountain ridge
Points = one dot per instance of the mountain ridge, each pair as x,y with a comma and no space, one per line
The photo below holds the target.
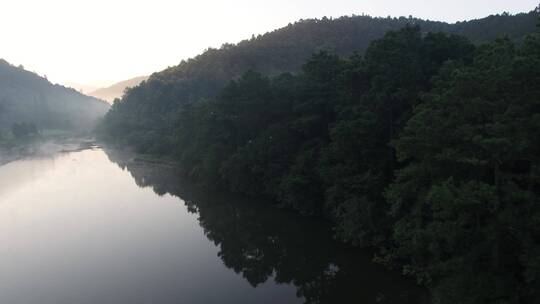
152,106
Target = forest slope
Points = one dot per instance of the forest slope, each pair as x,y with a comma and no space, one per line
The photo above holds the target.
148,112
26,97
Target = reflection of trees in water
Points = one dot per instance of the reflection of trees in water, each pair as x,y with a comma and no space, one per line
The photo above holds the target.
261,242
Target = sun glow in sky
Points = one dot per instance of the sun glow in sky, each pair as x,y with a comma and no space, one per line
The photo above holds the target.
99,42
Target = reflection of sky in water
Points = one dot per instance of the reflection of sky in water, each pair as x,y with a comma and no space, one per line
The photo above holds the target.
15,175
93,227
77,229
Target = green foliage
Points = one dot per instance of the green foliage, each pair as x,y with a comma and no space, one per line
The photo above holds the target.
466,205
358,163
150,110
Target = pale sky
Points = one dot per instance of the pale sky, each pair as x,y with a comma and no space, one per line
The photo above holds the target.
98,42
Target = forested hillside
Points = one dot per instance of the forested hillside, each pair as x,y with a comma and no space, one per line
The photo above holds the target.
151,109
25,97
424,145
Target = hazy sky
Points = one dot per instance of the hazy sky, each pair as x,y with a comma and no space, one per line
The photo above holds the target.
103,41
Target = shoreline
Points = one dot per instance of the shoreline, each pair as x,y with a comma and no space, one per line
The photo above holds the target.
45,147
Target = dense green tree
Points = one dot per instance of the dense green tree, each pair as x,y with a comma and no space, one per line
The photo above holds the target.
359,163
146,115
467,203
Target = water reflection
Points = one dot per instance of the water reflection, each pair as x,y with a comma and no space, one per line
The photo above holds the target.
262,243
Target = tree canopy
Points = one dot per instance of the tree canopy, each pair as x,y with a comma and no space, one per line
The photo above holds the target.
146,115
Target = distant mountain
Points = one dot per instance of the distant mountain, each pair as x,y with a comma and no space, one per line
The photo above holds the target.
80,87
117,90
28,97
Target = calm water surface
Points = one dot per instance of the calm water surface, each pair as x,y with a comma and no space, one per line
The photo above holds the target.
97,226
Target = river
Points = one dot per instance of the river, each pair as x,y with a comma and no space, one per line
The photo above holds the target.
100,227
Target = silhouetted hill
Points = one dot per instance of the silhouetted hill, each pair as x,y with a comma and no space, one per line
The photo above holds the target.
151,108
116,90
28,97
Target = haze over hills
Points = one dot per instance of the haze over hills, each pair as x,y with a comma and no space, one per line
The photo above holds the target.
81,87
116,90
29,98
